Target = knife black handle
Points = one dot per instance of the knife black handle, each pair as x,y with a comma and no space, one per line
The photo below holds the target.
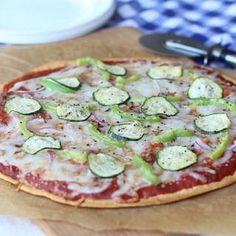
220,52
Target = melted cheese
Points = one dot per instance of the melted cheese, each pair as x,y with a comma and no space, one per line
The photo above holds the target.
207,110
75,135
129,183
144,87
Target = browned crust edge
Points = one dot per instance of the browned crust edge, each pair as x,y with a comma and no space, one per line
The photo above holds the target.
94,203
157,200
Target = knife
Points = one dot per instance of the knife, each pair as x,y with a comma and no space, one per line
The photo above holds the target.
172,45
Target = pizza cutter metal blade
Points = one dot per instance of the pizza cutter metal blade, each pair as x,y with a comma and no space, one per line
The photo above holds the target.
172,45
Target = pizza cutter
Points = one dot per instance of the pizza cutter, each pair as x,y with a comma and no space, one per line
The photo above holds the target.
172,45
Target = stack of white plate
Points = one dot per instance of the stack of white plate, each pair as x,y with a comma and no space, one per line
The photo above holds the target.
42,21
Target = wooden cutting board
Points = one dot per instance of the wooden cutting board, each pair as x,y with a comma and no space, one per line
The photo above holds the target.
116,42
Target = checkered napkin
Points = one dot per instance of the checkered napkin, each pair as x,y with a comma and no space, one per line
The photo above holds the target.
210,21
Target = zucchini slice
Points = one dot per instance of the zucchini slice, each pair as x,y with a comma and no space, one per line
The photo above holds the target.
105,166
73,112
36,143
175,158
22,105
70,82
115,70
204,88
165,72
131,131
110,96
158,106
212,124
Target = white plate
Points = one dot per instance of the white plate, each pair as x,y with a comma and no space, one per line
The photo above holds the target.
42,21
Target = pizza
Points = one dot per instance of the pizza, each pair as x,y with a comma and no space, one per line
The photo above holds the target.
118,132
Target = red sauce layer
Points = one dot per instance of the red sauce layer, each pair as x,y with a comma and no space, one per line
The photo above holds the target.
187,181
60,188
11,171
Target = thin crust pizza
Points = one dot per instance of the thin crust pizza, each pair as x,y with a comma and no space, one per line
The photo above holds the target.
118,133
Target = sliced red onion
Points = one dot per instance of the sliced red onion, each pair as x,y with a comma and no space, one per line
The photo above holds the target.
227,155
52,157
203,169
200,145
35,121
198,176
94,118
20,92
233,129
232,147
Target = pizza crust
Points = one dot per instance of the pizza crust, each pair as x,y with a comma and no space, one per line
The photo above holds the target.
95,203
157,200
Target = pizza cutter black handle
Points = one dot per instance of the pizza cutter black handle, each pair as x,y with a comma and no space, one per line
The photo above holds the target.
220,52
229,56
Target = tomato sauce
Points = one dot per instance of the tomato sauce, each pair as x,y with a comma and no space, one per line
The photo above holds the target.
11,171
60,188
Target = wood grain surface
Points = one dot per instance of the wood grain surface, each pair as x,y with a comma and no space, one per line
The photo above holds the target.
116,42
64,229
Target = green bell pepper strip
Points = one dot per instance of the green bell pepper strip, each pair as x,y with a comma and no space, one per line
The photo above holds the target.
131,117
175,98
173,134
151,119
122,81
77,156
208,101
82,61
97,135
100,66
105,74
222,146
50,106
23,127
54,85
146,170
231,106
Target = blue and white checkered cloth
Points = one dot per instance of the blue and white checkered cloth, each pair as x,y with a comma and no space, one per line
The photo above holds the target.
210,21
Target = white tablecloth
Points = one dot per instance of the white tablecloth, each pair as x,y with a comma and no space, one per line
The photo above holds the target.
12,226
